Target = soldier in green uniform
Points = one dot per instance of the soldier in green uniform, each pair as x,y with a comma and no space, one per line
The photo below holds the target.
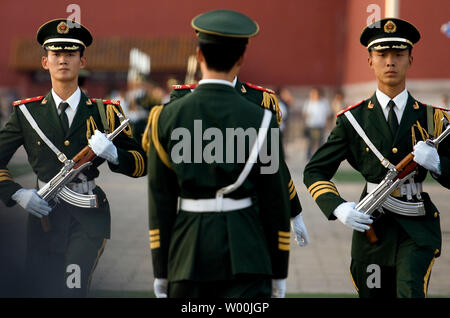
399,263
218,228
266,98
65,121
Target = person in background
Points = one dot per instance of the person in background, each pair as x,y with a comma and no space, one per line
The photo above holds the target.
316,113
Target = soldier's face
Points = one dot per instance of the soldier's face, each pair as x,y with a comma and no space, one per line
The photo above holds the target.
63,66
390,66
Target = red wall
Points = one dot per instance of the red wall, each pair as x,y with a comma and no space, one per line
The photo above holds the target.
300,43
295,46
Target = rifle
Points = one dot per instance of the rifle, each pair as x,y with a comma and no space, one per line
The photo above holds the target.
57,186
394,178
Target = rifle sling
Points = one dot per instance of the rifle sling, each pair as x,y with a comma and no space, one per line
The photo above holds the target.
102,113
385,162
61,156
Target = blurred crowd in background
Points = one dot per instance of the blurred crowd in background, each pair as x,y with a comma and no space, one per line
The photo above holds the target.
307,120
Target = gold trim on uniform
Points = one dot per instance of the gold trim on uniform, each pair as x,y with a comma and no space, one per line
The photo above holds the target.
427,277
5,175
151,135
99,253
138,163
155,245
270,101
111,111
353,281
284,240
321,187
54,48
284,247
381,47
292,190
284,234
155,239
153,232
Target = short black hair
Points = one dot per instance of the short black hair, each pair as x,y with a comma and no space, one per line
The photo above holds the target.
222,57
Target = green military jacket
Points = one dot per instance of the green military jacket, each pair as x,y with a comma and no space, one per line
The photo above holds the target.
214,246
262,97
345,144
18,132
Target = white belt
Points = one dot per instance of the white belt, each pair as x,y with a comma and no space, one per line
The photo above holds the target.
409,189
213,205
84,187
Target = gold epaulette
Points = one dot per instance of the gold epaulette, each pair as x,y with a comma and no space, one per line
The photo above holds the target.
439,114
111,111
269,100
151,135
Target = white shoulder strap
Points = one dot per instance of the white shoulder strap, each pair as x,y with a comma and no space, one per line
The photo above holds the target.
251,159
61,156
366,139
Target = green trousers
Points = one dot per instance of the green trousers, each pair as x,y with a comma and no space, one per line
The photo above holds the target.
409,277
256,287
60,263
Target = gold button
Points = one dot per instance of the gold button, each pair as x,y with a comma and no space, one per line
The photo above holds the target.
367,149
436,215
394,150
38,143
66,143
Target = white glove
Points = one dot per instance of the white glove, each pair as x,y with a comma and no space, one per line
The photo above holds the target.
278,288
32,202
427,156
103,147
160,287
347,214
301,234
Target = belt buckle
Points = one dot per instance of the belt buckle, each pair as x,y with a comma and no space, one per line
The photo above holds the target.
62,157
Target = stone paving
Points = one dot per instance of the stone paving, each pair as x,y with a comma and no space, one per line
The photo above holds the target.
320,267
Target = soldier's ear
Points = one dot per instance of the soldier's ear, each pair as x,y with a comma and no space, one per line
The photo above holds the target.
369,59
83,62
199,54
44,62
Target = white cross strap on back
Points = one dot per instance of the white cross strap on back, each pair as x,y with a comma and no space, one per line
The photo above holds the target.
264,128
61,156
385,162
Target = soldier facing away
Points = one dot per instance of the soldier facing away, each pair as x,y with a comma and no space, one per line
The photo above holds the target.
216,229
394,124
53,128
